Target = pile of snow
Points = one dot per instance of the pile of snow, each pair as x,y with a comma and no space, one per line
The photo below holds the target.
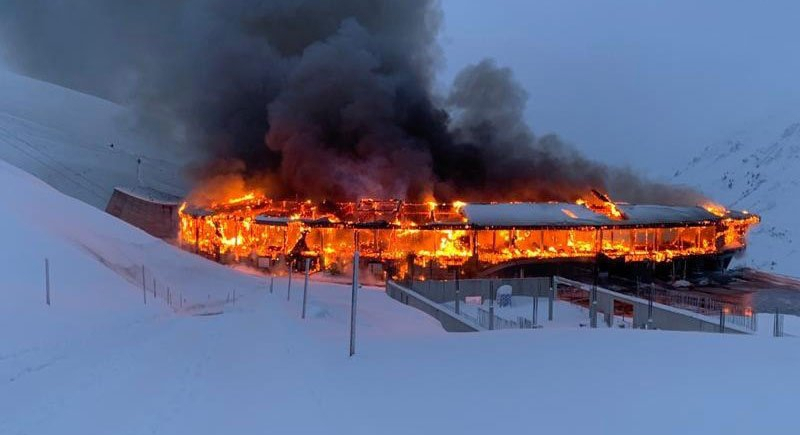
756,169
100,361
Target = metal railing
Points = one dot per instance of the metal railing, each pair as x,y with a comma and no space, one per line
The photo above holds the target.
728,313
718,312
455,295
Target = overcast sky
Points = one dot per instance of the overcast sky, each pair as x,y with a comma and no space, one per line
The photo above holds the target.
649,83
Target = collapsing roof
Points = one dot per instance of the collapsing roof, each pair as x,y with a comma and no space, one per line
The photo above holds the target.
567,215
537,215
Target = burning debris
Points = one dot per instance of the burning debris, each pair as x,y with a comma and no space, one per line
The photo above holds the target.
440,236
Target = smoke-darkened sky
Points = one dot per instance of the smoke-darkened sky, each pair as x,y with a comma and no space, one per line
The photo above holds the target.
339,98
639,82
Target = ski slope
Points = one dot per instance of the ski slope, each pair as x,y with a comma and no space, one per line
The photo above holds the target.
82,145
98,360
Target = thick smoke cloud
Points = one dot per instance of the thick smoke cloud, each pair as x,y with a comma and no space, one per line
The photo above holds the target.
321,99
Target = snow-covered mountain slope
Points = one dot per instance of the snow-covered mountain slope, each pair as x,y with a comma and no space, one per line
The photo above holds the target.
98,360
82,145
757,169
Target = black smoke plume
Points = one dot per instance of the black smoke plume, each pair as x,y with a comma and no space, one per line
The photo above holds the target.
320,99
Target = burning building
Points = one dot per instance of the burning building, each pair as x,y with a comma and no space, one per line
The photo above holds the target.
432,239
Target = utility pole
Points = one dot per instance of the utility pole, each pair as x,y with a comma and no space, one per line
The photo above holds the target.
535,313
650,306
458,293
47,280
593,300
551,296
139,171
305,289
354,303
491,305
289,286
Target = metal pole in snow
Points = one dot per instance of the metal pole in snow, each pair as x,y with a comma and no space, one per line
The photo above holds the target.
271,283
144,286
551,296
535,316
155,295
354,305
775,324
777,329
593,301
458,294
47,280
289,286
491,304
650,307
305,290
169,297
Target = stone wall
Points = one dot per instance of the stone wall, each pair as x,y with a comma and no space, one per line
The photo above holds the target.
158,218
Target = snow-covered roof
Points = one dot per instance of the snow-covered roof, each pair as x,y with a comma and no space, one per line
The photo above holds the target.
264,219
531,214
150,195
574,215
542,215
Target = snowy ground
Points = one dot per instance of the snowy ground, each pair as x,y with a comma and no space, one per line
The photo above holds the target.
99,361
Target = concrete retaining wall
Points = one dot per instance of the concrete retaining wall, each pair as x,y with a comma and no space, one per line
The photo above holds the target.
664,316
451,322
158,218
427,296
445,291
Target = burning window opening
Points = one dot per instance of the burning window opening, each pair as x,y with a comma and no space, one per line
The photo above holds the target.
398,235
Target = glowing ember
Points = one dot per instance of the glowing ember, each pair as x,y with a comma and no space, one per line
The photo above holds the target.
716,209
569,213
